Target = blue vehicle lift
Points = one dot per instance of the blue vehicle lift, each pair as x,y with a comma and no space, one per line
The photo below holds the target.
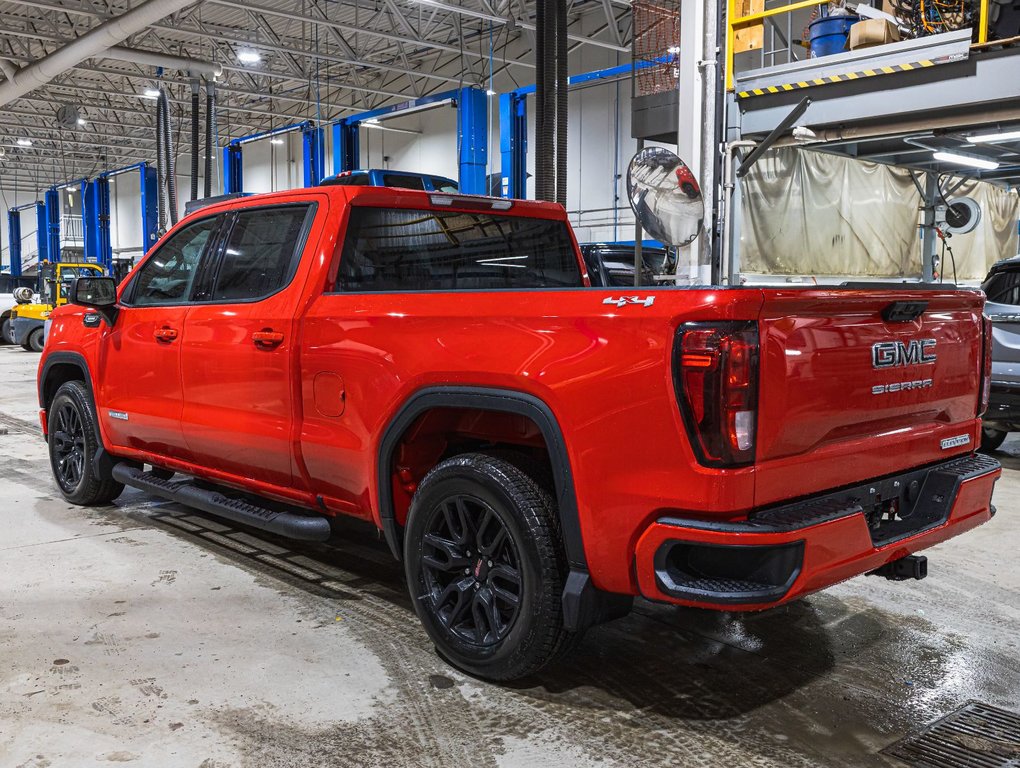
513,124
472,132
14,234
51,200
314,160
98,245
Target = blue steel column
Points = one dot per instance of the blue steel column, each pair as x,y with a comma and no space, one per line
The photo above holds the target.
513,144
313,156
14,235
150,206
41,236
346,146
96,221
232,178
51,229
473,137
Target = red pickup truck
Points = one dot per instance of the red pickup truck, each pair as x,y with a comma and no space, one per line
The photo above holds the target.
536,451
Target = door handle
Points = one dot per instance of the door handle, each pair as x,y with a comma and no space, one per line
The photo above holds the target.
267,339
165,334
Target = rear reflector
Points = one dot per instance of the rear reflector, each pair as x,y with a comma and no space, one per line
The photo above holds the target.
716,381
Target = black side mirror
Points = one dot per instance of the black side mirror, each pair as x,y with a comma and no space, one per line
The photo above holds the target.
98,293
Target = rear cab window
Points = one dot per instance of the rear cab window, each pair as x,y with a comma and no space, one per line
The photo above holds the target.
396,249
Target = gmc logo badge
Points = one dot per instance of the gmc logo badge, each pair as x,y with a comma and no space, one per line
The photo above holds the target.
889,354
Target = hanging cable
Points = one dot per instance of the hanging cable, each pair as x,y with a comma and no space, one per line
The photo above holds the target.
194,138
168,152
161,202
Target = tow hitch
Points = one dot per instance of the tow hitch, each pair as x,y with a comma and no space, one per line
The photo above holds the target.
909,567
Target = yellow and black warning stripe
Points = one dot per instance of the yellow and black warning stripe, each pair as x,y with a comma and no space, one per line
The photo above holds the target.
891,69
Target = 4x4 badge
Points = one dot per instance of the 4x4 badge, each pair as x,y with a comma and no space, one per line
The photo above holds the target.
623,301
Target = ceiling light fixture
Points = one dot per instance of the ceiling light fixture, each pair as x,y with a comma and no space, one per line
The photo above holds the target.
249,57
81,122
490,92
24,142
986,138
971,161
372,121
276,141
150,93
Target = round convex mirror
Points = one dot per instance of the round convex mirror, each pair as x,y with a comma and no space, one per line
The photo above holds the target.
665,196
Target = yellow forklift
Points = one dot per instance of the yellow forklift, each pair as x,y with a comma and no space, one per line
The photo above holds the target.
25,322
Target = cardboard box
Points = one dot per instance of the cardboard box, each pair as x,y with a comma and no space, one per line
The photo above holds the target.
871,32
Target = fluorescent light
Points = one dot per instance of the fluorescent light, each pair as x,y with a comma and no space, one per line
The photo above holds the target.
249,57
276,141
150,93
24,142
81,122
490,92
673,49
372,121
983,138
968,160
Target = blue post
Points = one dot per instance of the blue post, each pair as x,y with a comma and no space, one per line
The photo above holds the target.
52,226
346,146
232,177
41,236
150,206
473,135
313,155
513,144
96,222
14,236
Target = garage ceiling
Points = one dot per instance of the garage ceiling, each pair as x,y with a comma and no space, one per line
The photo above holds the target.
319,60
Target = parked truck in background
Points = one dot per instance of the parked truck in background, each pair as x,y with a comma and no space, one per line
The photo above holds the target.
536,451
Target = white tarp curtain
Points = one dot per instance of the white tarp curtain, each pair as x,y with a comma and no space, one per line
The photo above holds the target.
809,213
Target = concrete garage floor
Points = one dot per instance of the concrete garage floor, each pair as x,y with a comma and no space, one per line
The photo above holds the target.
144,633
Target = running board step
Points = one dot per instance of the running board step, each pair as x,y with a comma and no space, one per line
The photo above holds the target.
292,526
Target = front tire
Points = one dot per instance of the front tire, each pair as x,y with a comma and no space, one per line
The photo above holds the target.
991,439
485,567
73,446
6,331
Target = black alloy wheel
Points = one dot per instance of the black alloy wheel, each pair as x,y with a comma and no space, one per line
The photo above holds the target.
471,570
68,447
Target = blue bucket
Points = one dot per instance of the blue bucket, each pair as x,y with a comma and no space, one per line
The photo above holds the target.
828,34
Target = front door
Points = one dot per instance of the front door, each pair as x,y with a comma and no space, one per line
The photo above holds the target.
139,358
238,354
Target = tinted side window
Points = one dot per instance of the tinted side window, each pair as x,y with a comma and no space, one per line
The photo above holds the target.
443,185
1003,287
403,181
261,253
411,250
167,275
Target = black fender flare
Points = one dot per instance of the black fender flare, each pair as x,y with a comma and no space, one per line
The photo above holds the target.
489,399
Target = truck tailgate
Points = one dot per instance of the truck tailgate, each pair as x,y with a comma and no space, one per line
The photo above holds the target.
849,395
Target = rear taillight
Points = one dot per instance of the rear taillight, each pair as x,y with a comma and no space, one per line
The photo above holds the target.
716,377
986,365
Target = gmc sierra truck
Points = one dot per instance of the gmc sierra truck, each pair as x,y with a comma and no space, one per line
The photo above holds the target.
537,452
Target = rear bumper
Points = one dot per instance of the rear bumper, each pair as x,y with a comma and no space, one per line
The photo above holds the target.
785,552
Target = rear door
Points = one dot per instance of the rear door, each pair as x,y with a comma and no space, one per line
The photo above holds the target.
852,390
238,360
139,358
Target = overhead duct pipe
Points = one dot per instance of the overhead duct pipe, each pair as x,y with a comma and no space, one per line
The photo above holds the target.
92,43
210,133
153,59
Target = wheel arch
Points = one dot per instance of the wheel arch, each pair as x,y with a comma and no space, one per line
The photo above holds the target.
483,399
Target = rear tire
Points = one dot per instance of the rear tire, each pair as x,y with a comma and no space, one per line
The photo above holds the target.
991,439
485,567
35,341
73,446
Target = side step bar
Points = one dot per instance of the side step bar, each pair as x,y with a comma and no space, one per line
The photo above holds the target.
292,526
